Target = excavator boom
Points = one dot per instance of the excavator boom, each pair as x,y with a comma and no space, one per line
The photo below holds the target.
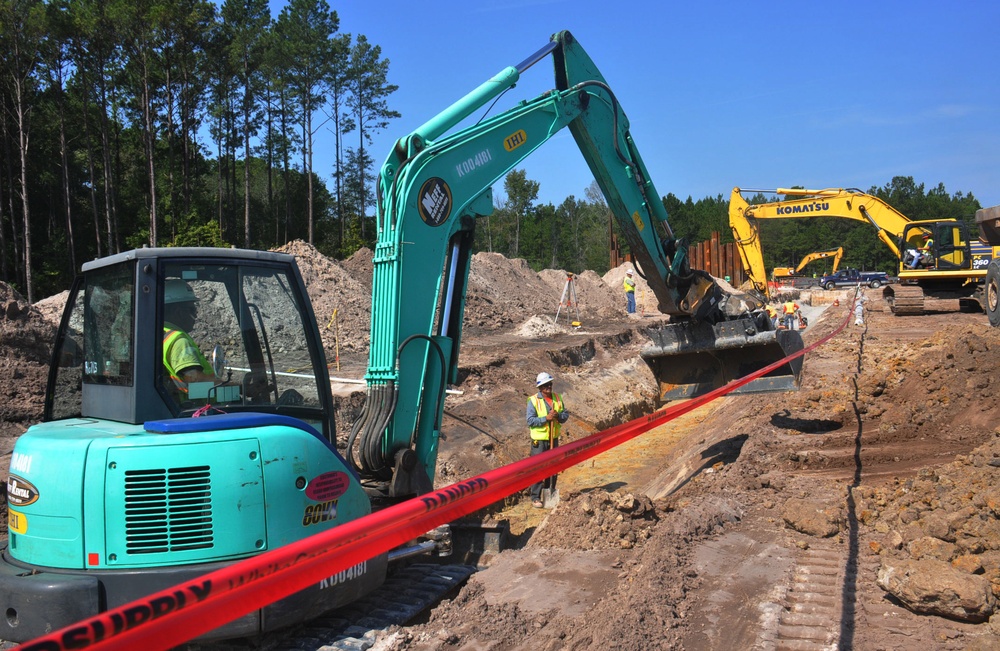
953,271
836,253
437,182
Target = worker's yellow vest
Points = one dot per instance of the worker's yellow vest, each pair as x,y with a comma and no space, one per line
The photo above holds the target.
629,285
542,410
789,308
170,335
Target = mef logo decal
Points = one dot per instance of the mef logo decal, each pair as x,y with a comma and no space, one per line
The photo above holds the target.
515,140
20,492
434,201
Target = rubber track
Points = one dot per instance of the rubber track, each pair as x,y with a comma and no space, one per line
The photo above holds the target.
407,592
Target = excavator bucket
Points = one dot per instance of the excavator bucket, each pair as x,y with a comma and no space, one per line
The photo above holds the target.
691,358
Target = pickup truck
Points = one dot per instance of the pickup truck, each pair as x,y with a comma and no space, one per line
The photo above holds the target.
851,277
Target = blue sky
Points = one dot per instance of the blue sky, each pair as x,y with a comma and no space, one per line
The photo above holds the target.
724,94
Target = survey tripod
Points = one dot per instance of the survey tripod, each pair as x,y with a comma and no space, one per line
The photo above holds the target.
568,300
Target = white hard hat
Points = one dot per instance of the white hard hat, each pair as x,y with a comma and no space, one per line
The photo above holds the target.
629,272
542,379
177,291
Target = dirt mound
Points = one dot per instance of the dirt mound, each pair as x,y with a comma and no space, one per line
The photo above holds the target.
599,520
341,297
26,338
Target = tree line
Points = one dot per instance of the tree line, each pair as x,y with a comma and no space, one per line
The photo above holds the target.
127,123
151,122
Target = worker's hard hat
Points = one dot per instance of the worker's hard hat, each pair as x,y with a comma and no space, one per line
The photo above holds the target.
927,236
629,272
177,291
543,379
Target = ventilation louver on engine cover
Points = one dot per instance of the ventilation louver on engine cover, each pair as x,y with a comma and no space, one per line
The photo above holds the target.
168,510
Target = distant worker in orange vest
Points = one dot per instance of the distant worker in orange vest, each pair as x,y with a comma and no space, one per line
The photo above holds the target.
546,413
790,309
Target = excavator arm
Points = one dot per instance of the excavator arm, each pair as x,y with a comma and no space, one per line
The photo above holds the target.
837,254
953,270
889,223
433,187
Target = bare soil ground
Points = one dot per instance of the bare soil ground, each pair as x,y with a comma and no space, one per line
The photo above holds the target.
860,512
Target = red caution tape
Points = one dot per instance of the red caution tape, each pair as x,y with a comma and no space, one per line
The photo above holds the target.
173,616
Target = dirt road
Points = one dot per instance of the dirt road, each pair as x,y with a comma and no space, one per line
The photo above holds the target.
762,522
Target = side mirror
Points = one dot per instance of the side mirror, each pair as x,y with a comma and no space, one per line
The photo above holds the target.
219,361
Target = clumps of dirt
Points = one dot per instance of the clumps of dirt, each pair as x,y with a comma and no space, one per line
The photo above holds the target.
945,379
540,326
52,307
599,520
502,294
505,292
644,607
948,520
925,389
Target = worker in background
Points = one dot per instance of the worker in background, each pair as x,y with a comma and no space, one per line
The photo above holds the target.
545,415
629,285
859,309
182,358
790,310
772,314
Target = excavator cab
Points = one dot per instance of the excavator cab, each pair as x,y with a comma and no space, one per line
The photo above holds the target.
188,424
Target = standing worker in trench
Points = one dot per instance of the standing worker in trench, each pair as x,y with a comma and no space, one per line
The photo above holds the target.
629,285
545,415
789,310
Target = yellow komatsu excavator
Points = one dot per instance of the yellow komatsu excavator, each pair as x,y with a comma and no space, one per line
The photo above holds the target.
787,272
948,275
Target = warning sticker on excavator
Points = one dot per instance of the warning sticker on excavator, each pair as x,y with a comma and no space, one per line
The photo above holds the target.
434,201
328,486
637,220
17,522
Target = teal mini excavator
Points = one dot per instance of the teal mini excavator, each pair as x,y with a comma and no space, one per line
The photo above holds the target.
145,474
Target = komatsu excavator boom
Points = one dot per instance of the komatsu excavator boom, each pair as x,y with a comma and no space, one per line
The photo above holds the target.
950,275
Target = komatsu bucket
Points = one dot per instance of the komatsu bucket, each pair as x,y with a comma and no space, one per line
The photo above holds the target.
691,358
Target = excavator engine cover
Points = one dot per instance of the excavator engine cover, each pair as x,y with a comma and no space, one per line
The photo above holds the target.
691,358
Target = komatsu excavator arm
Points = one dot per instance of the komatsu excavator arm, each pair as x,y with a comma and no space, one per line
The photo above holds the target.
889,223
437,182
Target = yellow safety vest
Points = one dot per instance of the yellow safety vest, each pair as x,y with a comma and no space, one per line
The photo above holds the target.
542,410
790,307
629,285
170,335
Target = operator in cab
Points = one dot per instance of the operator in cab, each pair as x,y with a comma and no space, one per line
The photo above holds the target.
182,359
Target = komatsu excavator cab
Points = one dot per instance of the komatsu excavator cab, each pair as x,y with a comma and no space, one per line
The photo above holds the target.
188,424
